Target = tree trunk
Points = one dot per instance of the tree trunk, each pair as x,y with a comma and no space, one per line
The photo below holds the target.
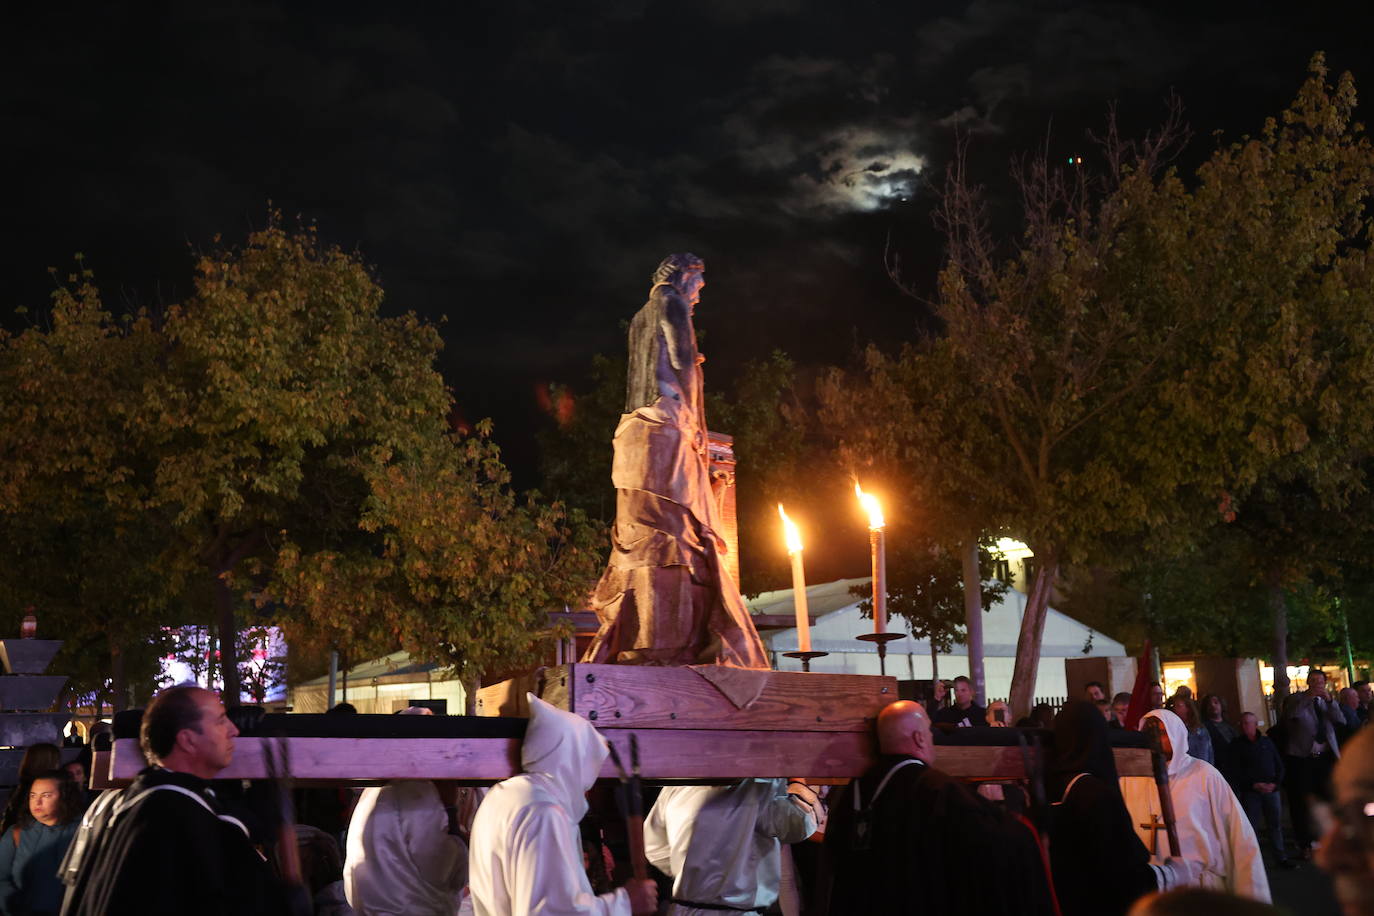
119,679
934,666
1279,607
228,656
973,618
470,687
1028,643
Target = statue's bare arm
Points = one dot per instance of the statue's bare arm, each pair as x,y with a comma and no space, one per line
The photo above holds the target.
677,331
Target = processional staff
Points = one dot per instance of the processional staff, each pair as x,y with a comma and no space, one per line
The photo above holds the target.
1154,731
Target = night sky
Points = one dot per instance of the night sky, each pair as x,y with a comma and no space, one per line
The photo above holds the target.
521,167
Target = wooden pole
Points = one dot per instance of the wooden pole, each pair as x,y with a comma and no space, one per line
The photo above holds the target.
1154,729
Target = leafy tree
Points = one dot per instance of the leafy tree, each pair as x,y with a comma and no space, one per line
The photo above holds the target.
905,418
465,572
79,544
575,447
1279,229
275,442
778,456
1145,357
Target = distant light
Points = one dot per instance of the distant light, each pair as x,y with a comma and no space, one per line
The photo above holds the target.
1011,549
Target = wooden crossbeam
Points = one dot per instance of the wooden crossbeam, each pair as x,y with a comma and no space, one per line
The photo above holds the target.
666,755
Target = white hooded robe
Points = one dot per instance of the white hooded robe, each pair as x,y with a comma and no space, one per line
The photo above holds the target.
525,853
1212,826
401,859
721,844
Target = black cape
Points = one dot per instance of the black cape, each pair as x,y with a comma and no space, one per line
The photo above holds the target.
1098,862
930,839
167,853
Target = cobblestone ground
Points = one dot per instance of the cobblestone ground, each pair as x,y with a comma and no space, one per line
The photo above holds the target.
1303,891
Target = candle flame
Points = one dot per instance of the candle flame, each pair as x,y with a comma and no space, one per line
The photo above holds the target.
871,506
790,531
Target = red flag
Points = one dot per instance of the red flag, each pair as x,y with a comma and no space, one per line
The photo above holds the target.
1140,693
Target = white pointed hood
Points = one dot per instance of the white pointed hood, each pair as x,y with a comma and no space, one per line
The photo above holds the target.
1178,737
565,748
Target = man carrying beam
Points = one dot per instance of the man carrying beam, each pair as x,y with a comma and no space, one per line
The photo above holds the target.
1212,827
525,857
165,844
721,845
902,838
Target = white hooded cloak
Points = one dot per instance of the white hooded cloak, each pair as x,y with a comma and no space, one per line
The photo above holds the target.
401,859
526,854
721,844
1212,826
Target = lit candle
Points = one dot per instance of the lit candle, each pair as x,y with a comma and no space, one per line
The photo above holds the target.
878,547
794,550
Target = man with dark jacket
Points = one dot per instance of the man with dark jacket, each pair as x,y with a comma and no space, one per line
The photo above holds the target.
165,845
902,838
1310,720
1257,773
965,713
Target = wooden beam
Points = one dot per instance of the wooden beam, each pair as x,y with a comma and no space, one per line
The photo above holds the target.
665,754
635,696
344,759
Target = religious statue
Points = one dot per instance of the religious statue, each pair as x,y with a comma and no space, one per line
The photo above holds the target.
666,597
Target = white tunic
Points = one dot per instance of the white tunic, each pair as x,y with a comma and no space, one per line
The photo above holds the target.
721,843
1212,826
526,855
401,858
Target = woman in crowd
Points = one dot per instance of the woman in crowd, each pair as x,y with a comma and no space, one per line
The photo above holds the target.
38,758
1199,741
31,852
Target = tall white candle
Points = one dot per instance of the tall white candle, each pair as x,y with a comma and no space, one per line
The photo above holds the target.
794,550
877,544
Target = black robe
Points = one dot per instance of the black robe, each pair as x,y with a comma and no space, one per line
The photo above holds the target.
936,847
1098,862
169,854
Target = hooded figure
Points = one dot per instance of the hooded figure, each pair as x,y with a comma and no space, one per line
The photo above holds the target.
1212,826
1097,859
400,857
525,852
722,844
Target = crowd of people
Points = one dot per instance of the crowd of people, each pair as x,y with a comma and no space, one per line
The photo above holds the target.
1079,840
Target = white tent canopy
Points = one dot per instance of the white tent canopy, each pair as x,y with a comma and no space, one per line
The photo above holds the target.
839,621
382,685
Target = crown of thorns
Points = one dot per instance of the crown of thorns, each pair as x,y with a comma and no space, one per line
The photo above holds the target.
676,264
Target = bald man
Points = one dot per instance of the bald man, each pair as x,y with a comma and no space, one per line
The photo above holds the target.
1347,852
906,837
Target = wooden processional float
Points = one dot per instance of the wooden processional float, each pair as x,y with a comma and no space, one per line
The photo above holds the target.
692,724
699,723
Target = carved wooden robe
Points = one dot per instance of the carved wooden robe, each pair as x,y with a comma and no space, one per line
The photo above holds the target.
666,597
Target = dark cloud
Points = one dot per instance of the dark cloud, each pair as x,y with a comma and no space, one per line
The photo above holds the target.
521,167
